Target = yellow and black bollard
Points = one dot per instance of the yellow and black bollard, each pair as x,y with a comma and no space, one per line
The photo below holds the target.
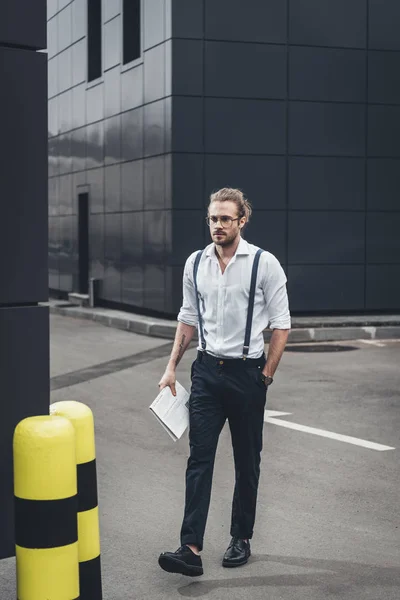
45,490
81,418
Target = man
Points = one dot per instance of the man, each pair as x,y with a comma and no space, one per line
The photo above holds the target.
230,376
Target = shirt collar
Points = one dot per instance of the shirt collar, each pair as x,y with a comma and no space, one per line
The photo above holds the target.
243,248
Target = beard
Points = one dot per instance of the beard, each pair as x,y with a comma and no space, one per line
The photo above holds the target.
226,239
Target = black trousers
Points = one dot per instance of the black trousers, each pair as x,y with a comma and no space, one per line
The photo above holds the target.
224,389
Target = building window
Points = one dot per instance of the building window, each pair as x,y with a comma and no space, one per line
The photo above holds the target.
94,39
131,30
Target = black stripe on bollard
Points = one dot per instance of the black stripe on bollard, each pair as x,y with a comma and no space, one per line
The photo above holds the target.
87,486
46,523
90,579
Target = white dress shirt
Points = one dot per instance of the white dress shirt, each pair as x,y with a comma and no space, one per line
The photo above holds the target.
224,299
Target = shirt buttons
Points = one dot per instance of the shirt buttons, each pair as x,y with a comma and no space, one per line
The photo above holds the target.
221,362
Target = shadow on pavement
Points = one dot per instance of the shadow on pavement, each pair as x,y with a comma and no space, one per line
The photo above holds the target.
336,575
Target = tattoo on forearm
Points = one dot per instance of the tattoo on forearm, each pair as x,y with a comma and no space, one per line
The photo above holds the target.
181,349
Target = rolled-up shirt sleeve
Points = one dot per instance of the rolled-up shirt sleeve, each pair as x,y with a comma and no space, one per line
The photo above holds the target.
188,311
275,293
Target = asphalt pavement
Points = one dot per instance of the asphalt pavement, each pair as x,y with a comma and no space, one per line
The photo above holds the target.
328,511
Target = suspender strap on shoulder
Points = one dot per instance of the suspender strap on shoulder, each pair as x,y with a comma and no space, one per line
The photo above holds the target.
195,269
250,309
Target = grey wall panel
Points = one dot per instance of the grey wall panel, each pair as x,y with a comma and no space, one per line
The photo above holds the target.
112,92
112,237
327,129
154,183
153,22
78,149
239,70
314,288
132,134
182,244
154,77
112,188
384,131
326,183
24,375
132,238
187,181
154,128
245,126
326,237
383,287
99,144
132,88
79,63
95,103
23,150
186,18
383,237
112,53
65,201
383,80
173,289
262,178
111,285
154,236
384,24
132,186
253,21
110,9
79,106
64,154
327,74
267,229
64,27
187,124
95,180
52,8
79,19
64,70
52,37
154,287
132,285
23,23
187,72
96,238
52,69
328,23
383,184
65,113
53,196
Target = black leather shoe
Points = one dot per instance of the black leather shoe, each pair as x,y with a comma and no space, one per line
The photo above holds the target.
237,554
183,561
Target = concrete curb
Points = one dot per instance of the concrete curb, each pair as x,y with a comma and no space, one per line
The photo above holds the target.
324,330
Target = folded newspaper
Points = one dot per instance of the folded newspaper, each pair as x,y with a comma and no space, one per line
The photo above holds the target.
172,411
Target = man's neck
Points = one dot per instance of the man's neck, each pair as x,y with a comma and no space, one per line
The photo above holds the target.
226,252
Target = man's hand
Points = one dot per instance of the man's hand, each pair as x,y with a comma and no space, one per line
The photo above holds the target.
168,380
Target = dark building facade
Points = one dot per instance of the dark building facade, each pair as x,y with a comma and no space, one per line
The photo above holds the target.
155,104
24,325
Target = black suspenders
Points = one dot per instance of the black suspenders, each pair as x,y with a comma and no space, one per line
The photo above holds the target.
195,269
250,309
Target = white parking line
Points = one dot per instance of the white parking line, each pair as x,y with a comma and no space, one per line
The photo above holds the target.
270,418
372,343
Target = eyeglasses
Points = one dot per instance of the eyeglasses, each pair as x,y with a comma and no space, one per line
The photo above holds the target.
224,220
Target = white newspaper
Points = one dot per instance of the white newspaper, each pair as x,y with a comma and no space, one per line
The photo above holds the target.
172,411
